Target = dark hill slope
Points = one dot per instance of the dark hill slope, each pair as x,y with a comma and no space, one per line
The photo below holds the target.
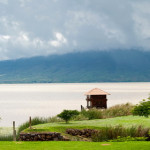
103,66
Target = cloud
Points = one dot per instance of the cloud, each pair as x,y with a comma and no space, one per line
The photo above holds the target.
60,39
4,2
33,27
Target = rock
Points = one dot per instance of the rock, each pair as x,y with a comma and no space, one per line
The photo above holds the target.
56,139
86,133
50,136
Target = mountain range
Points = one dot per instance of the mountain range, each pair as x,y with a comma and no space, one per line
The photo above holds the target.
90,66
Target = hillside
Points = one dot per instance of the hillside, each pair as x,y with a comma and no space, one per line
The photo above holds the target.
102,66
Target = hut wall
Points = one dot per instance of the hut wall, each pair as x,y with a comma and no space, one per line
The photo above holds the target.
98,101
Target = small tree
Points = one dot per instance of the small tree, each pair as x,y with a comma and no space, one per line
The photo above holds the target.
143,109
68,114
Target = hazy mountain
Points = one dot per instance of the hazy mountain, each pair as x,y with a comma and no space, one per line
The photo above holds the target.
102,66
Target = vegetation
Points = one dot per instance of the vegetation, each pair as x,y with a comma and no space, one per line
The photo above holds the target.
74,145
35,121
6,137
120,129
6,134
118,110
128,138
126,121
80,117
121,133
92,114
142,109
68,114
54,119
114,111
109,129
6,130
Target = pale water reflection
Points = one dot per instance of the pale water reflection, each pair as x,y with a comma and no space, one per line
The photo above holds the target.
19,101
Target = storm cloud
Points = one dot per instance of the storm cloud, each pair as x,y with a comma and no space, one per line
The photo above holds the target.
34,27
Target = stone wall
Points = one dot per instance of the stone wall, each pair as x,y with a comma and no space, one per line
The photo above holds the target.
50,136
86,133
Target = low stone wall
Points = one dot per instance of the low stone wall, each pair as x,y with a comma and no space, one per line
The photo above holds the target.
86,133
50,136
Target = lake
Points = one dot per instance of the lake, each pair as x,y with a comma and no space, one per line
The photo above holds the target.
19,101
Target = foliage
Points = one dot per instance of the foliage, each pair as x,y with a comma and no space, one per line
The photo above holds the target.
118,110
142,109
111,133
92,113
68,114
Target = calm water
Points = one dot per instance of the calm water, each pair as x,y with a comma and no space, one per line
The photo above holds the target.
19,101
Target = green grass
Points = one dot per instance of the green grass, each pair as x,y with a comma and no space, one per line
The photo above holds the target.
74,145
126,121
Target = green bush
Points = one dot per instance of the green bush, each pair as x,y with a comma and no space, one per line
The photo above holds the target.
92,113
68,114
142,109
121,133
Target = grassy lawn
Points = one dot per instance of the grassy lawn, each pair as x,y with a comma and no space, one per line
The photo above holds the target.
126,121
74,145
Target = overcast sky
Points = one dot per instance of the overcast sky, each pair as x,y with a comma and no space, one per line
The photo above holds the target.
42,27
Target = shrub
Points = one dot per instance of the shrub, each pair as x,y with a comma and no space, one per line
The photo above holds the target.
68,114
54,119
143,109
114,111
79,117
118,110
119,132
92,113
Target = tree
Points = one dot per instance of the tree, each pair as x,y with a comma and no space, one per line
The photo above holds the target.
143,109
68,114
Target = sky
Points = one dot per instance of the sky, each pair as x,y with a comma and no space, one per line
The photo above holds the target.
44,27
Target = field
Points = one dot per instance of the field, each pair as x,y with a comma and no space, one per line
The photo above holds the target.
74,146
